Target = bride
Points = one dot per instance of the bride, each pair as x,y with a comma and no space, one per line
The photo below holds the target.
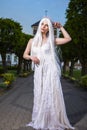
49,112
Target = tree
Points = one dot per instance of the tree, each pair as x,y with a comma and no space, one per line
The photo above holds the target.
10,32
69,52
76,15
19,49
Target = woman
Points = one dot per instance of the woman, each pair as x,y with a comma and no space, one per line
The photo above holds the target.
49,109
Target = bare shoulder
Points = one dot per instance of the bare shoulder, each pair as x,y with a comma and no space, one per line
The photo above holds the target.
30,41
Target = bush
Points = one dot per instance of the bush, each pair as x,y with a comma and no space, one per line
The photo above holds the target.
83,81
1,70
12,67
8,77
24,74
4,85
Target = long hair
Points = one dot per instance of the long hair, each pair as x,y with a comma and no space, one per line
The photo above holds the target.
37,41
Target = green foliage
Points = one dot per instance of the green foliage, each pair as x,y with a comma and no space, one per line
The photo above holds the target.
20,47
22,43
76,74
9,33
12,67
83,81
25,74
12,40
1,70
76,24
3,85
9,77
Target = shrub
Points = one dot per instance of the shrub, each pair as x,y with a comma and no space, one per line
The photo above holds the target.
8,77
24,74
3,85
12,67
83,81
1,70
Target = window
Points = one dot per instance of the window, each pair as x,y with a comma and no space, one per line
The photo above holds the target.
15,58
8,58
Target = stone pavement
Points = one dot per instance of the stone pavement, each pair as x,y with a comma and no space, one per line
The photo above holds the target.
16,105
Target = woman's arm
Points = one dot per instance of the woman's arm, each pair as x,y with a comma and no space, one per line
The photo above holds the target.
27,55
66,35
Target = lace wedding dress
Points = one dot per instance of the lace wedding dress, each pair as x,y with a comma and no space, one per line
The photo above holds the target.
49,109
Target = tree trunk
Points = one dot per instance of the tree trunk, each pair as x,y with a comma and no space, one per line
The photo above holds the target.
84,69
64,66
84,66
24,66
3,55
71,68
19,65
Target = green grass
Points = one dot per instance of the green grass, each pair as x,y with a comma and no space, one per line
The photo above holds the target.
76,74
13,72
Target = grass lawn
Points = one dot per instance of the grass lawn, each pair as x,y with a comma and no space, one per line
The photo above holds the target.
76,74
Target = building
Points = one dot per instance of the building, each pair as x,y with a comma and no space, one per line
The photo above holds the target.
11,59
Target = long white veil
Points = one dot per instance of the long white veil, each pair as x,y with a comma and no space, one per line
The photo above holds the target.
37,41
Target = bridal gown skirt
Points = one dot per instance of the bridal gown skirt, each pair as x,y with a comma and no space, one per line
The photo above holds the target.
49,111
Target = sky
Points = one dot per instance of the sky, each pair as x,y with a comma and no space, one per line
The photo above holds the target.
28,12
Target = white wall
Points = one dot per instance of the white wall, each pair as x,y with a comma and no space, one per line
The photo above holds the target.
11,59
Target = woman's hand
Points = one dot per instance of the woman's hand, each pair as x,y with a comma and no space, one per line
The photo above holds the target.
35,59
57,25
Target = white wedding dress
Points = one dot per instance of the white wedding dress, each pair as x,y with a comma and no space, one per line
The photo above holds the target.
49,111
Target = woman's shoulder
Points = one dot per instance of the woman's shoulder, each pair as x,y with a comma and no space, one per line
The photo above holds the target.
30,40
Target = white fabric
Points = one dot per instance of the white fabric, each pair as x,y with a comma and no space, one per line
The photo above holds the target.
49,109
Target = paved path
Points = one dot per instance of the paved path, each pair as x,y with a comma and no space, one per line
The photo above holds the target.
16,105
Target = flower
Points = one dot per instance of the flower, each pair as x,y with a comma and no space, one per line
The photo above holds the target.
7,82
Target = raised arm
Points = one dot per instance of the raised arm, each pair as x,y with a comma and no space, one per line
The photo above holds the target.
66,37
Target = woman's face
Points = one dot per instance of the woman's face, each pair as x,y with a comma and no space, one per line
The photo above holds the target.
44,27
